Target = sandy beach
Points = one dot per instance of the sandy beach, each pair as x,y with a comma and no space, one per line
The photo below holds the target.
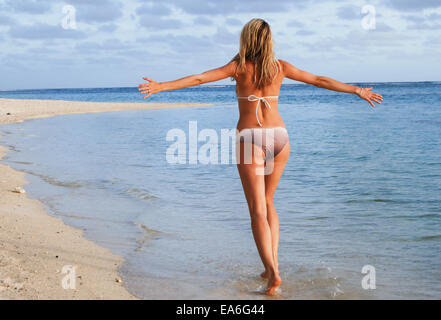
16,110
35,247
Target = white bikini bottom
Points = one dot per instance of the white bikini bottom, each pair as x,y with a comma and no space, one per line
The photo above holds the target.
270,140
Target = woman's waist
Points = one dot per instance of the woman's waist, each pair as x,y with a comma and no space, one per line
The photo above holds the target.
249,122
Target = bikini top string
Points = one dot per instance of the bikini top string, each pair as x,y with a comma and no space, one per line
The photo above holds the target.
252,97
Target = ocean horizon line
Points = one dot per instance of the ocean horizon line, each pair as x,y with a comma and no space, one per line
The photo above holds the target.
224,85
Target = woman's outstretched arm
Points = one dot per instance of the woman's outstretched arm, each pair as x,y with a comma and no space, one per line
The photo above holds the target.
293,73
217,74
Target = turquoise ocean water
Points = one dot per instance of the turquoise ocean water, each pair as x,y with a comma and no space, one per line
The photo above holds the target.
362,187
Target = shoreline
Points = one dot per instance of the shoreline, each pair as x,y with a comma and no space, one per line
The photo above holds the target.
35,246
18,110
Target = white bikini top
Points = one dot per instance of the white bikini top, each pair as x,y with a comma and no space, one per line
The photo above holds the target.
252,97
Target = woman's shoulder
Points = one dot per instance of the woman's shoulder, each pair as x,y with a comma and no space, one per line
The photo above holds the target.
282,63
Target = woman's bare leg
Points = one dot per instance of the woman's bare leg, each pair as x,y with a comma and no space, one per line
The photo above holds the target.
271,182
254,189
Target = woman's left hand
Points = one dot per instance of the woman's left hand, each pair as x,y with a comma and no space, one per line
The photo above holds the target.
147,89
369,96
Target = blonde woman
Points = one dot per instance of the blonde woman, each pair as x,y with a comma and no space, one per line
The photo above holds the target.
258,76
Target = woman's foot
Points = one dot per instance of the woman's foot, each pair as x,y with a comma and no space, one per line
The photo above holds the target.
274,282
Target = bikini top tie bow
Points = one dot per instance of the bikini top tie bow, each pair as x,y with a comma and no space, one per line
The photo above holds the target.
252,97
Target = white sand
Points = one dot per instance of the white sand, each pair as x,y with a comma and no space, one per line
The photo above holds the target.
26,109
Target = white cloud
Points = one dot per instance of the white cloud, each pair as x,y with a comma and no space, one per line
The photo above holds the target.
169,39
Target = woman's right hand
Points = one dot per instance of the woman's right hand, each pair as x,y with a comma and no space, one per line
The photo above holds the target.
369,96
147,89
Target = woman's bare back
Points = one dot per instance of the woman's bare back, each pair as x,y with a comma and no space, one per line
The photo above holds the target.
269,118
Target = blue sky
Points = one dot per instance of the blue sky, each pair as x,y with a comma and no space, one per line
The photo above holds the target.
116,42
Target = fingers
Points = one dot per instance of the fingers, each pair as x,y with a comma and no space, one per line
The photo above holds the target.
146,84
376,97
371,97
144,88
376,100
374,94
147,94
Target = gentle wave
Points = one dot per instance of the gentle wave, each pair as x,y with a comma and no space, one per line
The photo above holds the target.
369,200
148,236
429,238
142,194
55,182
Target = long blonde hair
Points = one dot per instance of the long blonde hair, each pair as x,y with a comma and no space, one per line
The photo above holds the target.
256,46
